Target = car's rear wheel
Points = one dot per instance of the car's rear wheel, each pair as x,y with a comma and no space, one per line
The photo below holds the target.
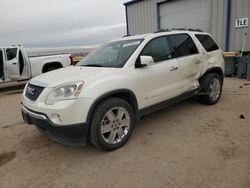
112,124
211,89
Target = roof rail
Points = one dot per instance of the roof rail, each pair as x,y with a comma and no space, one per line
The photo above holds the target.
178,29
162,30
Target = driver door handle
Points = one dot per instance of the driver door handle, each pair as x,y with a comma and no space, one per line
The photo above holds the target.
173,68
13,63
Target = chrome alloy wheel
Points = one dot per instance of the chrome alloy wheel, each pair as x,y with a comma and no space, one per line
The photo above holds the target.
215,89
115,125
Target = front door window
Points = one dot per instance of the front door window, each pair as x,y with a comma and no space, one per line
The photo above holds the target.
159,49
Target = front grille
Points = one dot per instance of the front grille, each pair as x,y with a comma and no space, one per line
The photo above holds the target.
32,92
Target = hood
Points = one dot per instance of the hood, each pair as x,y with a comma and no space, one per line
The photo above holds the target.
70,74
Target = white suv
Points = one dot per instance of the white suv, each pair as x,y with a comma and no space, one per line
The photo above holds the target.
100,99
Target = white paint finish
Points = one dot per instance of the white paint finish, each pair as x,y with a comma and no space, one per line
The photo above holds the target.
12,66
27,69
151,85
37,63
66,109
157,82
74,73
31,66
190,67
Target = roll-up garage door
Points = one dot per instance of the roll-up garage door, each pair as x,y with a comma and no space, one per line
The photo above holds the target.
185,13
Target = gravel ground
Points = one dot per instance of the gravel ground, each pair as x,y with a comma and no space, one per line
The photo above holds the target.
186,145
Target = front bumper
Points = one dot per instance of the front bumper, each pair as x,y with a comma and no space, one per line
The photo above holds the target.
73,135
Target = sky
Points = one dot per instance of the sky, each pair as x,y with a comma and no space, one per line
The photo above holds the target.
60,23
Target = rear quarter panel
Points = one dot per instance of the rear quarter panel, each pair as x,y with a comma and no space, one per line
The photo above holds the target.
211,59
214,59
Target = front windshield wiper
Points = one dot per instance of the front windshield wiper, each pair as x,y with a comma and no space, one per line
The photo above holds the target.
92,65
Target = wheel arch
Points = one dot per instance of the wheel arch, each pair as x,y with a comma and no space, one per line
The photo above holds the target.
217,70
55,64
124,94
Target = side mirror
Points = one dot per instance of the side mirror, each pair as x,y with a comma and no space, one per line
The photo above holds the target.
146,60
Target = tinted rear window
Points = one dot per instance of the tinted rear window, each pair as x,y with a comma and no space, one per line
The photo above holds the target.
183,45
207,42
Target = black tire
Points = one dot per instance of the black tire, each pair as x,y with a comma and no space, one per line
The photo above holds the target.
50,69
206,95
100,118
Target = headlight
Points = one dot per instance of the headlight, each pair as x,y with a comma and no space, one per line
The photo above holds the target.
65,92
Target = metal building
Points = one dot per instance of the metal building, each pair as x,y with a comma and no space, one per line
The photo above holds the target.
226,20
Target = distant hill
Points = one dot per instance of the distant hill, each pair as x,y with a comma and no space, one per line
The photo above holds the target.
74,50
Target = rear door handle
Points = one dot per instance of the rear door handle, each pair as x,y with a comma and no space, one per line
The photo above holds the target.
173,68
13,63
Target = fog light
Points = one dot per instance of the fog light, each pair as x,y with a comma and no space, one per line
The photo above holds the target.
55,118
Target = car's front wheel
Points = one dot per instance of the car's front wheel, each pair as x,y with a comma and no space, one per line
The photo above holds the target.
211,89
112,124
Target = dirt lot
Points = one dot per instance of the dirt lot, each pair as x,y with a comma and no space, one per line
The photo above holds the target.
186,145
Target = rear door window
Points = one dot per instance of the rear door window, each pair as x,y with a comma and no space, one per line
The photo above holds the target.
11,53
207,42
159,49
183,45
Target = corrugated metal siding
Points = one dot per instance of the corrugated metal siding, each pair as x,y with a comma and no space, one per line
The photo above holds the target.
240,9
218,24
142,18
183,13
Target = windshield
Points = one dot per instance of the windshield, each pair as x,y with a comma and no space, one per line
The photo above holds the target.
112,54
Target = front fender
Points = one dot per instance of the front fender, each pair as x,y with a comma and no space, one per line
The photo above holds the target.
96,87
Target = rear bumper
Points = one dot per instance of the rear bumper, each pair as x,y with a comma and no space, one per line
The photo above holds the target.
73,135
